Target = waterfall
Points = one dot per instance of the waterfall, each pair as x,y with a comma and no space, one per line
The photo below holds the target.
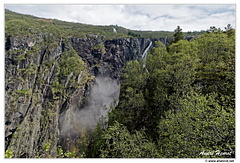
114,30
144,55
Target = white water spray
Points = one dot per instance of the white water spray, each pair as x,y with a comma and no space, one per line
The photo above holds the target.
76,121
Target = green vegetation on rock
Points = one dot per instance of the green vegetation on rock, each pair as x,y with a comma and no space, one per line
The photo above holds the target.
176,103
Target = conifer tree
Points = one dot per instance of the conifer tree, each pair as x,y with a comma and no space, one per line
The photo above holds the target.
178,34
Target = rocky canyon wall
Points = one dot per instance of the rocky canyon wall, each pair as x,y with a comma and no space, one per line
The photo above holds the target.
57,88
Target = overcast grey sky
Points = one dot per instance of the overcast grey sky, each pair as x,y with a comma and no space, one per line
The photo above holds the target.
138,17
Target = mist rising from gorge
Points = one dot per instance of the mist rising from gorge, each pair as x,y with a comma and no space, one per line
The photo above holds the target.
102,94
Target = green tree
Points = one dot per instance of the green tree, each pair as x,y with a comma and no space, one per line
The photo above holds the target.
170,74
90,143
118,142
229,30
178,34
216,69
199,124
132,102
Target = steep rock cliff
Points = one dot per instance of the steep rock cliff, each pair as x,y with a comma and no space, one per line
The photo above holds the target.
52,84
108,57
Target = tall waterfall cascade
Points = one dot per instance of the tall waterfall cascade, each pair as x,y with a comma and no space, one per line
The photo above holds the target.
144,55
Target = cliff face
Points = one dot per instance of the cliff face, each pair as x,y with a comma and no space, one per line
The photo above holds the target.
107,58
57,88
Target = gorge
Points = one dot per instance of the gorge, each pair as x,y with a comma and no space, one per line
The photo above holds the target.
50,98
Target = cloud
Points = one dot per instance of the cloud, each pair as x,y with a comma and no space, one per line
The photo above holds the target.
138,17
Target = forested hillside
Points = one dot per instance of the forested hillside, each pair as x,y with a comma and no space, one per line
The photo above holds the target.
180,104
81,91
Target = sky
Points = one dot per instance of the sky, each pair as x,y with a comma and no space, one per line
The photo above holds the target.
138,17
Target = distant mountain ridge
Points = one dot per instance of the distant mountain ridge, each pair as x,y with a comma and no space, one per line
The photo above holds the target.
83,30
